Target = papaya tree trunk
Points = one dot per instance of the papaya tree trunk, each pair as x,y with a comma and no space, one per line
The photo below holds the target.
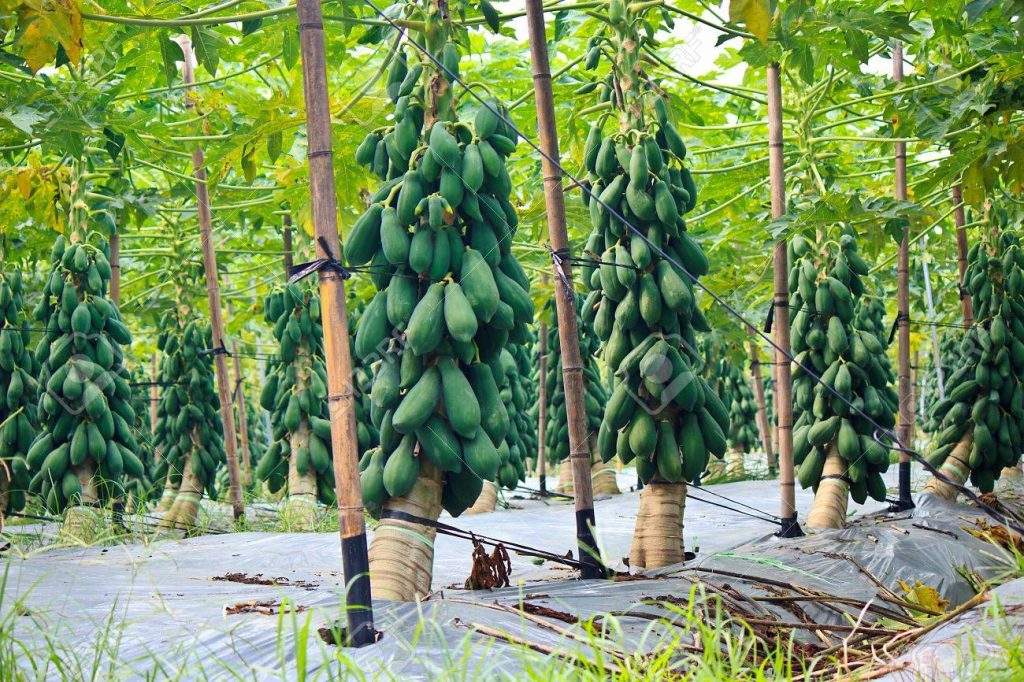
602,476
487,500
402,553
82,521
734,467
829,507
955,468
716,468
299,511
5,489
658,535
167,498
565,485
185,510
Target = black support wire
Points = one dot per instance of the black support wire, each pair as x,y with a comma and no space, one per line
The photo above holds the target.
656,248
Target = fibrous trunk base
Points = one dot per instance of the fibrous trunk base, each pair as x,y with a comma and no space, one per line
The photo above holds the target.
658,535
603,477
487,501
565,483
955,468
299,511
167,499
185,510
82,522
734,465
1011,472
829,507
402,553
81,526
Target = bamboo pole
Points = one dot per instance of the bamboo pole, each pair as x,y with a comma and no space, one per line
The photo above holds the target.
565,300
213,297
961,254
115,269
355,564
780,270
763,425
286,237
905,428
243,417
542,407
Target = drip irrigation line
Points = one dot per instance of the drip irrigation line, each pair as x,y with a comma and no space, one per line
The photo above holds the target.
546,493
773,517
690,495
142,520
455,532
657,249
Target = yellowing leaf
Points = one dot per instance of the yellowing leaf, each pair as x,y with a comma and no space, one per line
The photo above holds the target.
974,185
36,47
754,14
925,595
25,183
45,25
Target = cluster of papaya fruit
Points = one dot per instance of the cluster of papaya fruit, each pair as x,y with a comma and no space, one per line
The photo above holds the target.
556,436
846,352
295,395
18,393
642,263
985,396
949,357
85,411
362,377
189,431
520,438
142,488
451,296
743,435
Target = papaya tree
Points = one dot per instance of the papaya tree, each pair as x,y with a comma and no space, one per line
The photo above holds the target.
743,436
594,398
660,412
450,296
189,432
834,445
979,421
18,392
295,393
84,449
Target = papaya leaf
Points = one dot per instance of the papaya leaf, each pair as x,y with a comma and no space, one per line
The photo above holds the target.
491,15
171,53
207,44
291,48
754,14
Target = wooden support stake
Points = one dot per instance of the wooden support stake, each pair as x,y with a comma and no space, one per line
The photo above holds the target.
337,355
763,425
243,417
905,430
115,269
213,297
961,254
780,270
565,298
286,237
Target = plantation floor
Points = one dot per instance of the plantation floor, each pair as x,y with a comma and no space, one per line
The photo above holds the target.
213,602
